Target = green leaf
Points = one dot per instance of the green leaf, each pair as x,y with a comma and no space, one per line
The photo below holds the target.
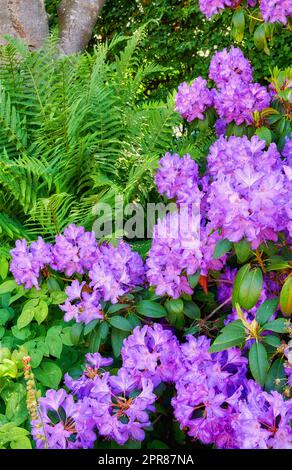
279,325
191,310
66,336
276,377
117,307
58,297
266,310
7,287
117,338
28,313
21,443
250,288
8,368
76,332
258,362
49,374
260,38
222,247
242,250
286,297
41,312
231,335
238,22
194,279
237,283
14,396
90,326
148,308
55,345
264,134
95,340
272,340
4,266
175,306
120,323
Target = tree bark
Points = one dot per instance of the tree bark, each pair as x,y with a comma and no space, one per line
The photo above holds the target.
24,19
76,22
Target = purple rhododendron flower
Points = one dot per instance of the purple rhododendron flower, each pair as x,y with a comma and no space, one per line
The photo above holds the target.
276,10
27,262
227,66
193,100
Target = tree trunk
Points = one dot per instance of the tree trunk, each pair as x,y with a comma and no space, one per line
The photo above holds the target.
76,22
24,19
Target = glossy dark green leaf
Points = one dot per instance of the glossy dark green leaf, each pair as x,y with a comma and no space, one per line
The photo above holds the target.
148,308
266,310
258,362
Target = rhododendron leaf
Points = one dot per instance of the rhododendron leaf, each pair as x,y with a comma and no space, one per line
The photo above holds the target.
191,310
194,279
279,325
286,297
242,250
117,307
76,332
272,340
250,288
275,379
57,297
222,247
264,134
117,338
175,306
231,335
266,310
148,308
120,323
238,22
258,362
90,326
237,282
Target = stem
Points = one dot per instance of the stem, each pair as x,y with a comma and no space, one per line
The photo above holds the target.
218,308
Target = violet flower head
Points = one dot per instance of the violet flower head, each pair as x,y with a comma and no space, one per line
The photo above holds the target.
177,177
193,100
75,251
83,303
116,271
27,262
120,408
228,66
57,427
152,353
276,10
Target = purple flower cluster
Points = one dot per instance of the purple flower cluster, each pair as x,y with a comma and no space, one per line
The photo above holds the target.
218,405
236,97
112,271
227,66
249,192
276,10
82,304
193,100
27,262
178,178
75,251
214,400
212,7
116,271
174,254
152,353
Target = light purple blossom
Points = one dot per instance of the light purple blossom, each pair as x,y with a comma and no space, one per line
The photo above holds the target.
276,10
193,100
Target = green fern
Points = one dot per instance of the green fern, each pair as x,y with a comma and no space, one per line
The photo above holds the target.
75,131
